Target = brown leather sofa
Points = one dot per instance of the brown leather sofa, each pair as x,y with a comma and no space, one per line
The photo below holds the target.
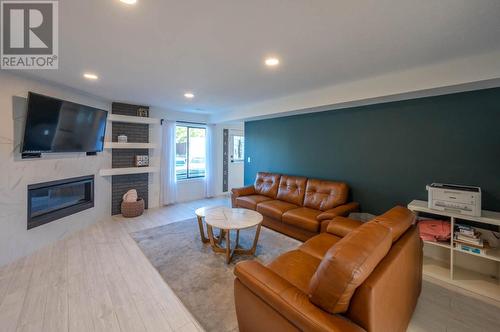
353,277
296,206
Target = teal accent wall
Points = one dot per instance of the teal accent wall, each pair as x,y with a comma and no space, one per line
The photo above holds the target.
387,152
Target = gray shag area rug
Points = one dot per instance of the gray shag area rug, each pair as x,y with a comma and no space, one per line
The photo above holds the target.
200,277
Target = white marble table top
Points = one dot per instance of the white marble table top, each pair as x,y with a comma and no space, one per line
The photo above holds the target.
201,212
228,218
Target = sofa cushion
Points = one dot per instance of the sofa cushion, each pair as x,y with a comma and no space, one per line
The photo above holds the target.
267,184
398,220
318,246
296,267
292,189
303,217
251,201
324,195
274,208
347,264
342,226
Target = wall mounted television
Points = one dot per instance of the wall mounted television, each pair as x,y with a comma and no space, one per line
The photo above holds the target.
54,125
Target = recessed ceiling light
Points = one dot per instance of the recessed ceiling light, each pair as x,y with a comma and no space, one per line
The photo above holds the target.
189,95
271,62
90,76
129,2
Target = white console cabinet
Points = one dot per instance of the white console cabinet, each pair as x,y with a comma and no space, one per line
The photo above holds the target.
478,273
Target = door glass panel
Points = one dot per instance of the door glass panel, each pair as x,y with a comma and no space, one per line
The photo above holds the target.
238,148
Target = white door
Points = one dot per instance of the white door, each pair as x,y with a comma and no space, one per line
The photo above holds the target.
236,158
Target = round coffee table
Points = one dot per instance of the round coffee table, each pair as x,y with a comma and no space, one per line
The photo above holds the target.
200,214
228,219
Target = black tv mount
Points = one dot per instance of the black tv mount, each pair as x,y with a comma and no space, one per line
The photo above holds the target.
35,155
31,155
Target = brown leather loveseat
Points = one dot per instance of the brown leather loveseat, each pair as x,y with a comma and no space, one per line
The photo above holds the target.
294,205
353,277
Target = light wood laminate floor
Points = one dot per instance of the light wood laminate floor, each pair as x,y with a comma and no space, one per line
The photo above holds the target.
99,280
96,280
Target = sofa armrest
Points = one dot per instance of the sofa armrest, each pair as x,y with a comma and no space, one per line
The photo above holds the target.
288,300
339,211
243,191
341,226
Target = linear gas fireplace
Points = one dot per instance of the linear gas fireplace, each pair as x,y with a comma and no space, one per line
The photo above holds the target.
54,200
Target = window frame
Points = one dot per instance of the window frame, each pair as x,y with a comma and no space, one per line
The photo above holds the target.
189,126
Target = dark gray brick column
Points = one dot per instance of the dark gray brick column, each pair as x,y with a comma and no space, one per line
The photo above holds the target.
136,133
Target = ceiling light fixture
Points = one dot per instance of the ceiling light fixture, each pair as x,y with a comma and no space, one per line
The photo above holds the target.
129,2
189,95
90,76
272,62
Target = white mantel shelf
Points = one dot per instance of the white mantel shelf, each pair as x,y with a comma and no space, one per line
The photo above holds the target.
132,119
116,145
128,170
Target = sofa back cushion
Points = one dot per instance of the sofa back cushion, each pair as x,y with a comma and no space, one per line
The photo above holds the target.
292,189
324,195
386,299
398,220
347,264
267,184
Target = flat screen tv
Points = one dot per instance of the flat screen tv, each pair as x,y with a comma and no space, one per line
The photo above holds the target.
54,125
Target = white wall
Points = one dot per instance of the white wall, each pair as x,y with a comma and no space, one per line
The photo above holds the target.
219,151
191,189
187,190
16,174
15,240
478,71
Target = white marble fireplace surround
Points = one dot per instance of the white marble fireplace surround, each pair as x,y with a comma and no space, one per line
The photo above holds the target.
16,174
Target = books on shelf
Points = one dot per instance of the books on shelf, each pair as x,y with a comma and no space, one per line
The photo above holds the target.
468,235
470,248
469,239
466,230
480,250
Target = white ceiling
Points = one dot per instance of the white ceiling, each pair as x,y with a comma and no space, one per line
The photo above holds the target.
153,52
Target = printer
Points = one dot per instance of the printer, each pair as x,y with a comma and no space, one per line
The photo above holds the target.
464,200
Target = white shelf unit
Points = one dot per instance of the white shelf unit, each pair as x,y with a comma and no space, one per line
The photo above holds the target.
448,271
116,145
128,170
132,119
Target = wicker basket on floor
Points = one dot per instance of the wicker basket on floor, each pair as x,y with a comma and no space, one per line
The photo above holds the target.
133,209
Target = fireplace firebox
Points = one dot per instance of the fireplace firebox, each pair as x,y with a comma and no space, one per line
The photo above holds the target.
54,200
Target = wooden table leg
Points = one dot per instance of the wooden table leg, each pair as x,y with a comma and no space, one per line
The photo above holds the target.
214,242
255,240
222,233
250,251
202,231
204,238
228,247
211,236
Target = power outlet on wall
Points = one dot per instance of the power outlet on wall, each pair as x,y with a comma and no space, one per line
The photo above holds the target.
248,160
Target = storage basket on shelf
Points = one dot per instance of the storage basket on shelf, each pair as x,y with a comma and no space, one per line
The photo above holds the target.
133,209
